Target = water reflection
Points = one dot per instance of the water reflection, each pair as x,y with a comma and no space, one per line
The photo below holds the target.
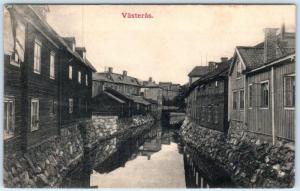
152,159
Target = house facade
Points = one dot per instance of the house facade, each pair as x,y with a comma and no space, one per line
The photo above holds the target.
33,85
207,98
262,87
120,82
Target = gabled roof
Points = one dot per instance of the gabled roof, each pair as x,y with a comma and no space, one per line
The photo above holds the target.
136,99
251,56
220,71
116,78
105,93
139,99
199,71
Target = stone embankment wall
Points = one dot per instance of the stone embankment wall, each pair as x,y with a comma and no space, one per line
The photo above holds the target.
249,161
47,164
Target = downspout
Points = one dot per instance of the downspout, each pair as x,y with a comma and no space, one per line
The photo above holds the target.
272,100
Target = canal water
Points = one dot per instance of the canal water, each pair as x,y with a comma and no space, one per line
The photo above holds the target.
153,159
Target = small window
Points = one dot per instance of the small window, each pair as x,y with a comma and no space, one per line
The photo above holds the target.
9,117
70,72
242,103
53,106
79,77
239,70
52,65
34,114
70,105
216,83
37,57
250,95
264,94
289,91
234,100
86,80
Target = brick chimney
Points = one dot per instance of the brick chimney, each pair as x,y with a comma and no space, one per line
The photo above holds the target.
224,59
150,79
124,73
270,44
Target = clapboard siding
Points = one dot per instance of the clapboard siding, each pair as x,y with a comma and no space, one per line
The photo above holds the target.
259,119
284,118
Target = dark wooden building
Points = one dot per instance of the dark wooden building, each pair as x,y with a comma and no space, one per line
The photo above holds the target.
207,98
34,69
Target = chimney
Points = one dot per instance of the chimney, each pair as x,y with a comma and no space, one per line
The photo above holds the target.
124,73
270,44
224,59
150,79
110,70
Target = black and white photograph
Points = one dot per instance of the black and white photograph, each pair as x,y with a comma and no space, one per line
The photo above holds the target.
149,95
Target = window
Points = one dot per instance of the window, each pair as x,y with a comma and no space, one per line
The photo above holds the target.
79,77
53,106
37,57
250,95
216,84
289,91
70,105
52,65
86,80
234,100
9,117
264,94
73,47
34,114
242,103
70,72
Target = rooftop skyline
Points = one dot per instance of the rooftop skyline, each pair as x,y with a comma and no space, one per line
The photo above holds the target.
169,45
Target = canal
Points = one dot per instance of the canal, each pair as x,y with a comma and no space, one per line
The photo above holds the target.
153,159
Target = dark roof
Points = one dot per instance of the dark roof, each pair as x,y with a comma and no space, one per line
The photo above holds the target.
221,70
199,71
116,78
251,56
136,99
69,39
80,48
105,93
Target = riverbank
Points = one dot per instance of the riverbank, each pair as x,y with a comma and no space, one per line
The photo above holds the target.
248,161
47,164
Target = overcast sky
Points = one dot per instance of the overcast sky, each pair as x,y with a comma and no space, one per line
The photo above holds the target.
168,46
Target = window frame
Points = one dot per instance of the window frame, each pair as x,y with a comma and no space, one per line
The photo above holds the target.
260,105
34,100
241,109
79,76
8,135
52,65
86,80
250,104
37,43
239,70
284,92
71,105
70,73
237,101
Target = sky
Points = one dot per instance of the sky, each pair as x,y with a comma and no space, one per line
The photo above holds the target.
169,45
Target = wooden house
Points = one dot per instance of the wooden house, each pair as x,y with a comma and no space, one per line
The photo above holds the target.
120,82
34,57
207,98
262,87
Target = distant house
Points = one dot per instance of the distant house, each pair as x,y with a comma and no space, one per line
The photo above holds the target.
35,62
262,87
120,82
198,72
207,98
169,92
153,94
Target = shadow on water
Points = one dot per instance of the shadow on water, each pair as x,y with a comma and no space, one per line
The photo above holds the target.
123,149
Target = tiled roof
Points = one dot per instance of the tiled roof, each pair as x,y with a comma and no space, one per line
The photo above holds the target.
136,99
116,78
199,71
251,56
